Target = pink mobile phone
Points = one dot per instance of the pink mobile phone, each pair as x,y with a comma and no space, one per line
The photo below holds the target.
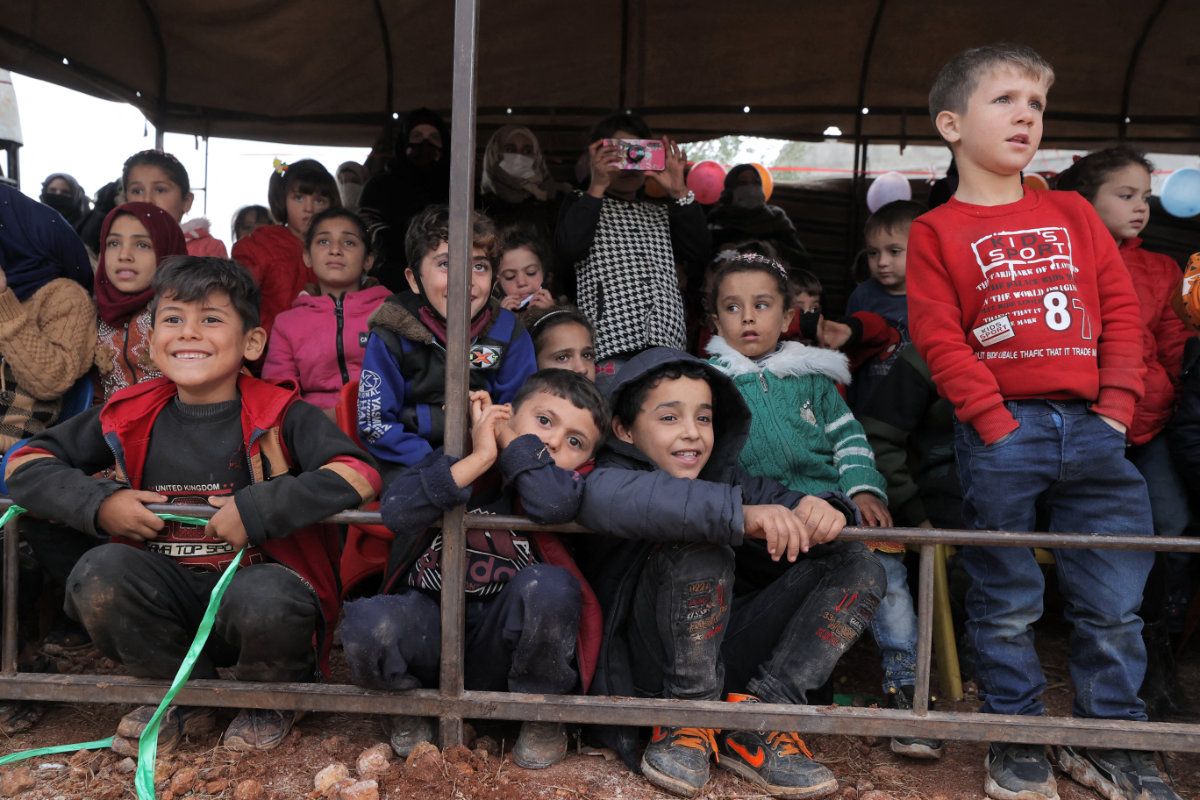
643,154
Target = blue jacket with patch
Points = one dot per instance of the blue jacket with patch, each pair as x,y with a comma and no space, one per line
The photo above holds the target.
402,389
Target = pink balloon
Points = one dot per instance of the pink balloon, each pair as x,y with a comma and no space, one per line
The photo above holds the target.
706,180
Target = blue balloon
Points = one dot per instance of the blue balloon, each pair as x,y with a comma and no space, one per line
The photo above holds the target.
1181,193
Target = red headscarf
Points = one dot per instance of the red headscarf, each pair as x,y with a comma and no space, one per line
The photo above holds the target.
117,307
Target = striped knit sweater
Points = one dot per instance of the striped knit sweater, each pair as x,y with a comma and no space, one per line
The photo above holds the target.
46,344
802,433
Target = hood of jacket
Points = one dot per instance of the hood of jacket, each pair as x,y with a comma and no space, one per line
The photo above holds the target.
793,359
731,417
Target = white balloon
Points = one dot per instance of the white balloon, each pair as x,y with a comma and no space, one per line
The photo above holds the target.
888,188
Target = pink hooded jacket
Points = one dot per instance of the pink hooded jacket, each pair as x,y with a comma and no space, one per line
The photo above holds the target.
319,342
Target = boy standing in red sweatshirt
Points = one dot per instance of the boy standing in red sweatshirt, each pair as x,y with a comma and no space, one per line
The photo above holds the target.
1026,315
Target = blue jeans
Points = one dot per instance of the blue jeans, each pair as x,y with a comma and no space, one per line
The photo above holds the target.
1069,465
894,626
1168,495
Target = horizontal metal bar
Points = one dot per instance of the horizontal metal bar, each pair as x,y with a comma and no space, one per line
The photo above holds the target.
837,720
1085,541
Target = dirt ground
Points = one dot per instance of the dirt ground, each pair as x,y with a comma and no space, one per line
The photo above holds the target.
865,767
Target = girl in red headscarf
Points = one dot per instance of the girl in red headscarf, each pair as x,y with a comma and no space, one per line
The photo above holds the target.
134,240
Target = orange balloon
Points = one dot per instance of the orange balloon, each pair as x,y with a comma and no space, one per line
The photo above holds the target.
768,183
1035,182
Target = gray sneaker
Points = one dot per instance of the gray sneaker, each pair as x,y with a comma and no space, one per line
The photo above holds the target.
1019,772
1116,774
912,746
405,732
540,744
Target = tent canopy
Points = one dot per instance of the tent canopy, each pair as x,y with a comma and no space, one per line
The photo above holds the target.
314,72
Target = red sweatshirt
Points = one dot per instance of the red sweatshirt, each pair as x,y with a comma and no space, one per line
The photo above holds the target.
1021,301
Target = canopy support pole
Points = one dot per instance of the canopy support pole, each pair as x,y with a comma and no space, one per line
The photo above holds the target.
462,181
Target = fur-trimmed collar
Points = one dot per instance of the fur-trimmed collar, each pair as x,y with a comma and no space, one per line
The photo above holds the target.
793,359
399,314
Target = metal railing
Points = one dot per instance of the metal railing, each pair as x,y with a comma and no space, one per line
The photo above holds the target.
451,703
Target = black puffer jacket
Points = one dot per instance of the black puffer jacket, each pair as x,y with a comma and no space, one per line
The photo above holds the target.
634,507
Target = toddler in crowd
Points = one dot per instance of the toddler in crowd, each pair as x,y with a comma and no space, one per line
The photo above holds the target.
248,219
401,396
319,342
521,274
134,239
274,254
885,292
525,596
563,338
159,178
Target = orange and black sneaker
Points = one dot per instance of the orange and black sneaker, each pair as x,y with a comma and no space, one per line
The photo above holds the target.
677,759
777,761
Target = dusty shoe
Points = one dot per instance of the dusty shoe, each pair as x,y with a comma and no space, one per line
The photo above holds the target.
405,732
1116,774
18,715
540,745
912,746
67,638
176,722
677,759
1019,772
777,761
259,728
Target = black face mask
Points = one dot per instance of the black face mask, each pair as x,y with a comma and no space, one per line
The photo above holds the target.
63,204
424,154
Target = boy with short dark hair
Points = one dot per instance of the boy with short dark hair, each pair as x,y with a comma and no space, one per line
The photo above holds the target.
525,596
1026,315
273,465
672,505
401,394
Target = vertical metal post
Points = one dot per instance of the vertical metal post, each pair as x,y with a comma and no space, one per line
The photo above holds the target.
924,630
462,181
8,656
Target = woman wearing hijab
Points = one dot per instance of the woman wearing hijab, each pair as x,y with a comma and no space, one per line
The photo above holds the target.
742,214
515,186
63,193
417,175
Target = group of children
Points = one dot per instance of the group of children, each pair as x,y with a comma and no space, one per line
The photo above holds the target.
716,489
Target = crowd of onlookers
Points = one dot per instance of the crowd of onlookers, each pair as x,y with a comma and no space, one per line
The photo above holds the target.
661,372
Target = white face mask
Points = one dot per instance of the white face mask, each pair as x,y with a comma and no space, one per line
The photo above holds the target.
518,166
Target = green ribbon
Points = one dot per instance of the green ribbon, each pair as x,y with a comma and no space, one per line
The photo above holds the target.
148,744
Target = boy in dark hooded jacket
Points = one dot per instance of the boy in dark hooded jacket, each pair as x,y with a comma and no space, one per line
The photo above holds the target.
673,504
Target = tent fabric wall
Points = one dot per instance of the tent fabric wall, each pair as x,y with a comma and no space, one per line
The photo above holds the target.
323,73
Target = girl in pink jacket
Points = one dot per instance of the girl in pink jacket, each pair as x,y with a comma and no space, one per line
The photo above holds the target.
319,342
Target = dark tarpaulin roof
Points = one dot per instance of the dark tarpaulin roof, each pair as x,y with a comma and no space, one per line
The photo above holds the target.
319,72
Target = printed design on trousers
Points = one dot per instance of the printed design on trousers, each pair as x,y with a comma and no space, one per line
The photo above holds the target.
704,608
1029,279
